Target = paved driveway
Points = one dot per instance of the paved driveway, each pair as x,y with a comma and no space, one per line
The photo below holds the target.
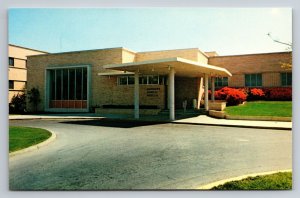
106,154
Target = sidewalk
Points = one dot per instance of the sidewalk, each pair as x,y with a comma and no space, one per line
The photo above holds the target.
200,120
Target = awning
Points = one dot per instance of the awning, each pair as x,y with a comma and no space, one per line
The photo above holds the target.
182,67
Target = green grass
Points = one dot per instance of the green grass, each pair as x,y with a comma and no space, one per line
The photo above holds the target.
262,108
23,137
277,181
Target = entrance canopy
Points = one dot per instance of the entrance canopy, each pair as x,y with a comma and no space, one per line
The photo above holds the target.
182,67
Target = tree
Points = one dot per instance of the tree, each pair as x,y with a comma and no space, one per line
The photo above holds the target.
285,65
34,97
18,103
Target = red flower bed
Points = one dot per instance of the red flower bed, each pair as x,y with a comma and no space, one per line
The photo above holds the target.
256,94
231,95
278,93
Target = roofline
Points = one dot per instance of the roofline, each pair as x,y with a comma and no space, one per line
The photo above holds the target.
252,54
176,49
79,51
112,66
27,48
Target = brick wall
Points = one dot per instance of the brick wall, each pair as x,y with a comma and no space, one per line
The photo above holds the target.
267,64
190,54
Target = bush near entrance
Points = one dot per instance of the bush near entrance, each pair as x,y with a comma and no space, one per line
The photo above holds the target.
236,96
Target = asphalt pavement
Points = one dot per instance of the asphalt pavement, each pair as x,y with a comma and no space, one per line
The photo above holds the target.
107,154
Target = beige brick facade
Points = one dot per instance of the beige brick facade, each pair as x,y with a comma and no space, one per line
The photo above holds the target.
269,65
17,73
104,89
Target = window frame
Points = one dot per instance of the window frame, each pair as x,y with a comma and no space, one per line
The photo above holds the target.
250,77
287,81
219,80
9,61
9,85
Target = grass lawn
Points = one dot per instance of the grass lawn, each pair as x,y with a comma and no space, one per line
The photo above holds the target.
23,137
262,108
277,181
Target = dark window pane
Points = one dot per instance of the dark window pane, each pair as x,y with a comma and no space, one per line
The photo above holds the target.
71,84
247,80
161,80
123,80
259,80
65,84
225,81
52,84
11,84
130,80
153,80
11,61
58,84
84,91
253,80
78,84
143,80
289,78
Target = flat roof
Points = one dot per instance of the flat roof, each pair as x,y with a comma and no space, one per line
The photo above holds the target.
183,67
28,48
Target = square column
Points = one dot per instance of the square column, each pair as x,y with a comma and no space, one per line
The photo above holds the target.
136,96
206,92
213,89
171,92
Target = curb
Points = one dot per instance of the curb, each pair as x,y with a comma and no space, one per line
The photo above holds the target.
35,147
221,182
223,115
239,126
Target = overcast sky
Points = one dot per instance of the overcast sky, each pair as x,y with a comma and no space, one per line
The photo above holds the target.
225,30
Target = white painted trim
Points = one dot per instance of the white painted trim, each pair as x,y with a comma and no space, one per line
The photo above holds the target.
166,60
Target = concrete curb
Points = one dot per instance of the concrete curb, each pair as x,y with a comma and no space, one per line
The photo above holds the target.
259,118
239,126
35,147
223,115
221,182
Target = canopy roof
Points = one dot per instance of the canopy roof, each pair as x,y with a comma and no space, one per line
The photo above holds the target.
182,67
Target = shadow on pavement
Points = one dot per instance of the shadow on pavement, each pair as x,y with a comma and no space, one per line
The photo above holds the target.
107,122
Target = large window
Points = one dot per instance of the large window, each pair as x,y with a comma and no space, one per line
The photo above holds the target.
221,82
68,88
11,84
286,79
253,80
11,61
144,80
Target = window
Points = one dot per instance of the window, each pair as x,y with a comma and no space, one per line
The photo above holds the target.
68,87
221,82
11,61
143,80
286,79
253,80
11,84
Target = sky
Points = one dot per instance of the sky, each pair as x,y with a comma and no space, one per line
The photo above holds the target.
227,31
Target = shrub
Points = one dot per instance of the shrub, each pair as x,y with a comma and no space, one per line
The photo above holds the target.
278,93
256,94
34,97
17,104
231,95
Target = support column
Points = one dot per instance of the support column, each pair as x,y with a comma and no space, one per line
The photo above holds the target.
213,89
171,91
136,96
206,92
